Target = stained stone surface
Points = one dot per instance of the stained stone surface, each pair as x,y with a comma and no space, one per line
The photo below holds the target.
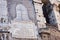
23,29
24,39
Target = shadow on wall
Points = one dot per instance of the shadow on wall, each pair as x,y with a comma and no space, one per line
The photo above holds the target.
47,8
59,8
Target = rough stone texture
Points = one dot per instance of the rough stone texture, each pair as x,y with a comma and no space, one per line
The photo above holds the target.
26,30
39,14
23,39
12,8
50,33
23,29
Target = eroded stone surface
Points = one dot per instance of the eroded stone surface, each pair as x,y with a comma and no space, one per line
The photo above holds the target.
23,30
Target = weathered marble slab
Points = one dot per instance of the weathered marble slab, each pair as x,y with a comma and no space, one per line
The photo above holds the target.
23,30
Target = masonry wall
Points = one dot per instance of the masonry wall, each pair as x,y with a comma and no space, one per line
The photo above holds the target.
39,14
